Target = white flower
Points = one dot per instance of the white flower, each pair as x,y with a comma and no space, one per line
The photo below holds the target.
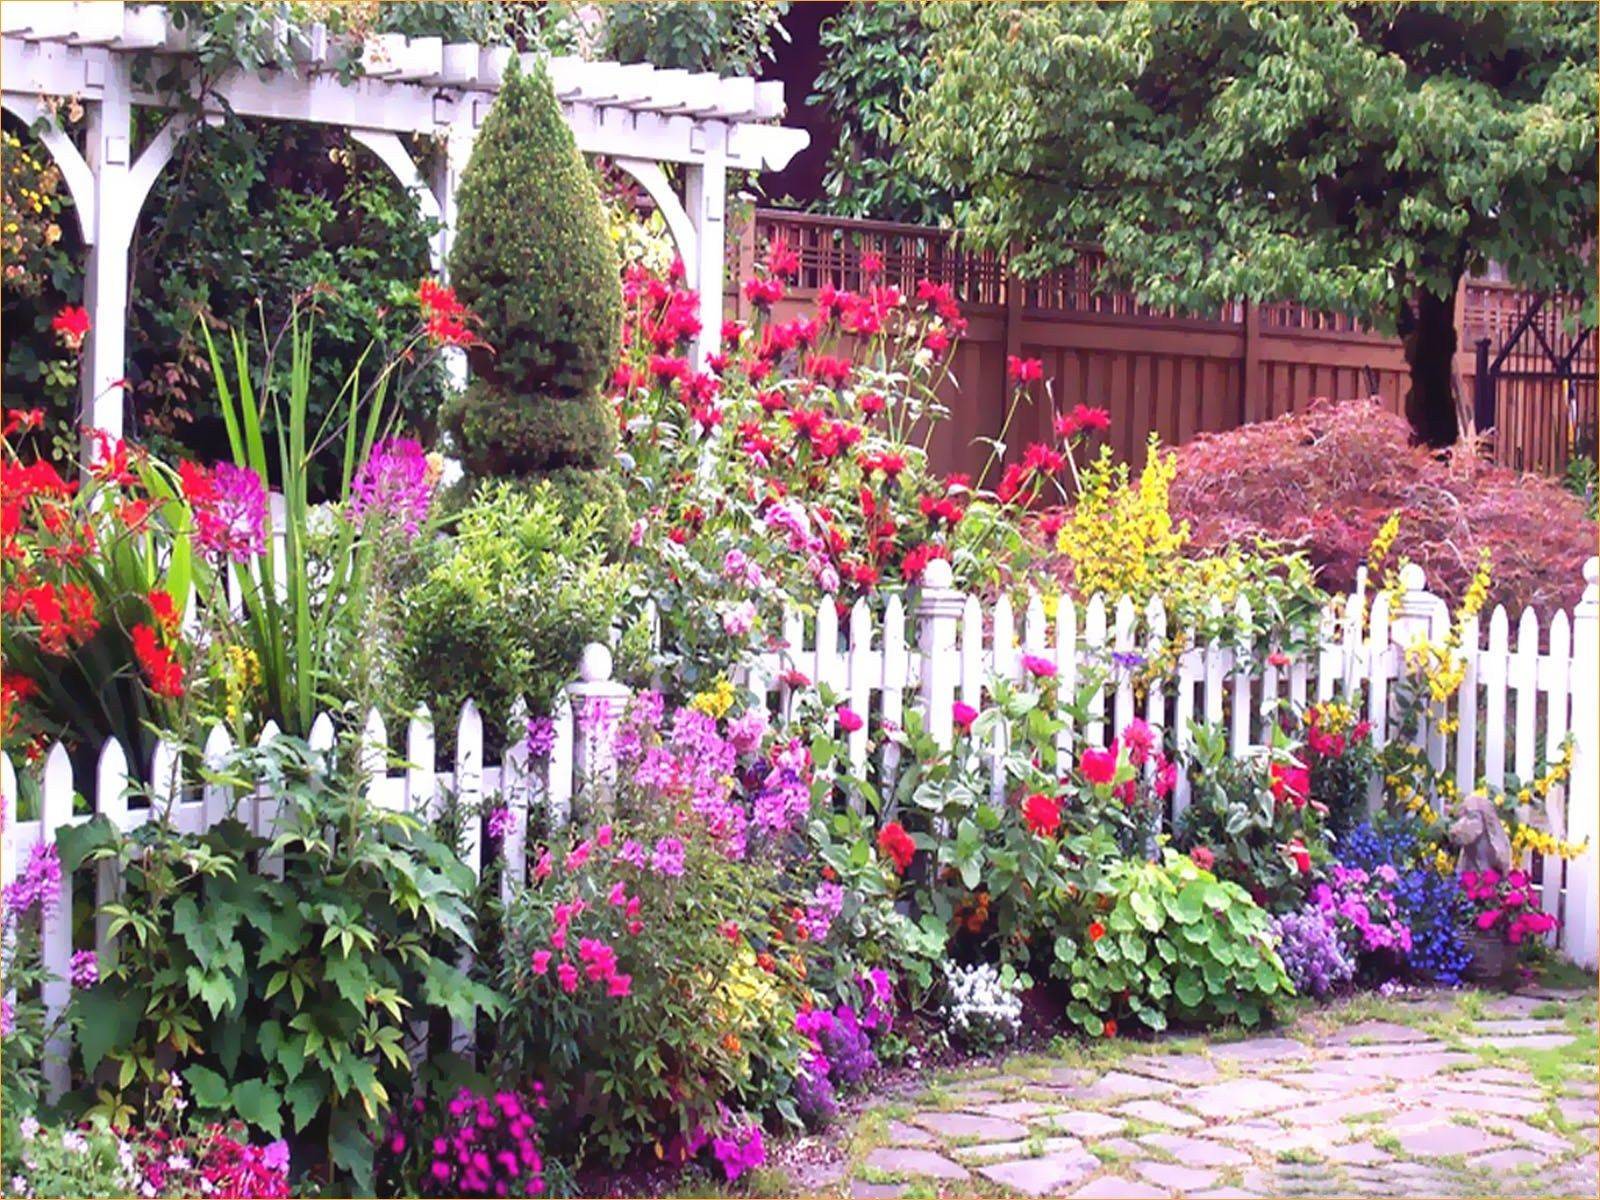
177,1162
74,1141
29,1128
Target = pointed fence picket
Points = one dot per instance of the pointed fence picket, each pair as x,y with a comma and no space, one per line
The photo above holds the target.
1517,704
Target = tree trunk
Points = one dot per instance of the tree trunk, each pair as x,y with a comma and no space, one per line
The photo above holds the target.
1427,329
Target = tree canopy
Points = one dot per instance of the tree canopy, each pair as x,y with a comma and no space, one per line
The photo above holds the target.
1355,157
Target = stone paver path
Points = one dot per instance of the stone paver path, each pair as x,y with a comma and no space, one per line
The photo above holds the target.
1465,1094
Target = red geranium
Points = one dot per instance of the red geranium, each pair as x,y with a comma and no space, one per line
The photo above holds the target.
1042,814
896,844
71,325
1099,766
1290,782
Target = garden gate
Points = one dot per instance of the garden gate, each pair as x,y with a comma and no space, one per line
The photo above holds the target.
1537,394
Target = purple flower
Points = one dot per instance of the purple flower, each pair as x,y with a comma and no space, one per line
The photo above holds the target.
595,717
7,1018
84,970
541,736
233,519
740,1150
826,904
667,859
1128,660
632,853
394,482
499,823
40,883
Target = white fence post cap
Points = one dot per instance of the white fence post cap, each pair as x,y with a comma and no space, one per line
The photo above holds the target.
595,663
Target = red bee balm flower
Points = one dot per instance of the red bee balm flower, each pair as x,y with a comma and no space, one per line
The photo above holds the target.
1042,814
896,844
1023,370
71,325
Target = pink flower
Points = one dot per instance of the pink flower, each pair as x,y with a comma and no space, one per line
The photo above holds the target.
1139,739
619,894
1023,370
1099,766
849,720
619,985
963,715
1039,668
1166,776
1486,920
602,836
568,974
541,962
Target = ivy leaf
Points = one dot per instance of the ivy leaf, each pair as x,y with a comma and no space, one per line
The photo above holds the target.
304,1097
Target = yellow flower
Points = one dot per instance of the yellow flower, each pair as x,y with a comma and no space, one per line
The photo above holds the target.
715,701
1383,540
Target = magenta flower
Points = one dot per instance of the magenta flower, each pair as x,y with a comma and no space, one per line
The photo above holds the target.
667,860
1039,668
39,885
541,736
230,510
85,970
499,823
394,482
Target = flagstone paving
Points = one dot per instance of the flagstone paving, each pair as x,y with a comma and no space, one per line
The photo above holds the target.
1445,1094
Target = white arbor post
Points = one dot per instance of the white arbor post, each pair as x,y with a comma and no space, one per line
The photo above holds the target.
109,153
1582,932
706,198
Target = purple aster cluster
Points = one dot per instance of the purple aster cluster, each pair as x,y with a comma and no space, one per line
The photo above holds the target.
783,799
826,903
394,482
1313,954
839,1057
499,823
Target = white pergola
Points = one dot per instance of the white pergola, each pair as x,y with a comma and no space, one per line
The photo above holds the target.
638,116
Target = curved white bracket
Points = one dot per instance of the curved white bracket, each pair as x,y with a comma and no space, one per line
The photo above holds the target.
75,170
152,159
393,154
656,183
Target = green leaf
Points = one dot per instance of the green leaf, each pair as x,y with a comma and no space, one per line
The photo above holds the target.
351,979
208,1089
75,843
257,1103
304,1097
106,1018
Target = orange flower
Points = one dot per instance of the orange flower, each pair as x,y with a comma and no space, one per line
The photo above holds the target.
1110,1029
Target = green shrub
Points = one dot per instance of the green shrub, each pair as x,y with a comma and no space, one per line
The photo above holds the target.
533,260
1169,941
283,996
508,605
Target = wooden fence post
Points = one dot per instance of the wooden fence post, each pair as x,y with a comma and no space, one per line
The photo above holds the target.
1578,938
939,609
1252,404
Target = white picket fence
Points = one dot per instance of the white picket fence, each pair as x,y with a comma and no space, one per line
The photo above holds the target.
1517,698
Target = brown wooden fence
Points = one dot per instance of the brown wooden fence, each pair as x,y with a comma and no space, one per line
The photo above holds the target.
1155,370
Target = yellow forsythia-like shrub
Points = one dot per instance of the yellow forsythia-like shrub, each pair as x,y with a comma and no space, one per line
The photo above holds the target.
1121,538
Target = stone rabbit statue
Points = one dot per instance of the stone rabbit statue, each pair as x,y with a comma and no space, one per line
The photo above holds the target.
1481,834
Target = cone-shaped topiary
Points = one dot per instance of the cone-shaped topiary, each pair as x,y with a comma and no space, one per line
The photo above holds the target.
534,260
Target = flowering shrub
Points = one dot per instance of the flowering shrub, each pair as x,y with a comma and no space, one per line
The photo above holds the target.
1338,752
1162,941
88,1160
1427,892
23,1027
656,969
1362,904
472,1145
983,1005
1505,906
1314,956
1256,818
796,462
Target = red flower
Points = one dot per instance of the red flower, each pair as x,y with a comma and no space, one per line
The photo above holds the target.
71,325
1290,782
782,259
887,461
1301,856
1045,459
1203,858
1099,766
1082,419
165,612
23,419
161,668
896,844
1166,776
444,318
1278,659
1023,370
1042,814
1096,931
1110,1029
763,293
871,263
963,715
